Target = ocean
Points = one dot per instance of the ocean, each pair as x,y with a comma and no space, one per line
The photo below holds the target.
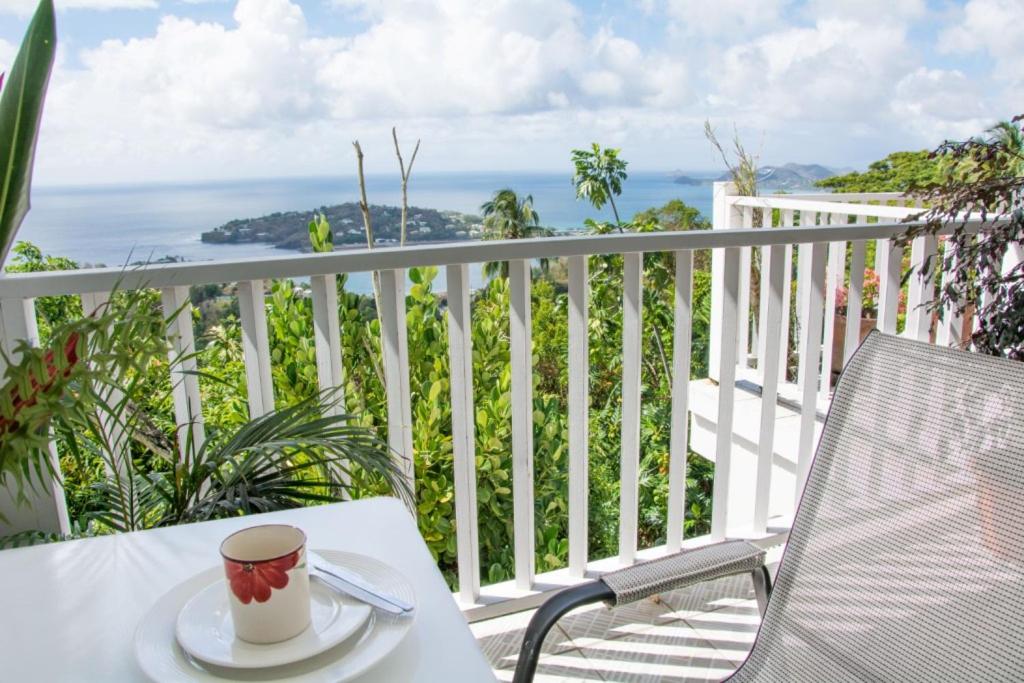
115,225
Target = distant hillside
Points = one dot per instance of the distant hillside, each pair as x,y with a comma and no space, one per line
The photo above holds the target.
289,230
786,177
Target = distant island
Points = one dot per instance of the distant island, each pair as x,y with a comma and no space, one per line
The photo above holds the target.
786,177
289,230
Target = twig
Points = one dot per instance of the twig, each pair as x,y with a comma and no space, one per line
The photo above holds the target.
406,172
367,223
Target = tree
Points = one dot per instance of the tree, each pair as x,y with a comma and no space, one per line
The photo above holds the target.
507,217
983,267
598,176
675,215
898,172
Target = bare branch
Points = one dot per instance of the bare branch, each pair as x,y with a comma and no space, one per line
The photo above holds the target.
406,172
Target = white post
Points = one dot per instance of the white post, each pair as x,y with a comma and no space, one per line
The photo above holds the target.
921,290
396,370
256,347
44,507
579,416
726,388
811,313
327,337
854,299
890,261
111,423
632,326
772,290
188,411
460,360
724,216
521,347
678,436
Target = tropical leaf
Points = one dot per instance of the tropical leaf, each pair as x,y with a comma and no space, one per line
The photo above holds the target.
21,109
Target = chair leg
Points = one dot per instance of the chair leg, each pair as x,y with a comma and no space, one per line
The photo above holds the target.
546,616
762,587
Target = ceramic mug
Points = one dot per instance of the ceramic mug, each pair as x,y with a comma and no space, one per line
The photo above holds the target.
268,582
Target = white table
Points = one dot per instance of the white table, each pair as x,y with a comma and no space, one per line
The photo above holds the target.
69,610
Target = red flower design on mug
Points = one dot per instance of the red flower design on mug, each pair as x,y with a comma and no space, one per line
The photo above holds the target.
255,580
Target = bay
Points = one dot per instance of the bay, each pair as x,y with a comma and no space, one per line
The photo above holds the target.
117,225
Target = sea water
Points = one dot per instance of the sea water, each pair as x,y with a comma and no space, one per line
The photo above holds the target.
117,225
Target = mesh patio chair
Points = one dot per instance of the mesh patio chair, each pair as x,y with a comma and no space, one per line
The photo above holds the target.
905,561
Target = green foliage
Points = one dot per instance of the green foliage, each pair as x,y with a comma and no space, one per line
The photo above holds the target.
289,318
21,110
984,180
898,172
28,258
300,455
507,217
74,379
320,235
598,176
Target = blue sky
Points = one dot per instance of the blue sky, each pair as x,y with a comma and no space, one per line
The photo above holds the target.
182,90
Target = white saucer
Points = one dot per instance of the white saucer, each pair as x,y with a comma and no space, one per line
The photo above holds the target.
205,630
162,659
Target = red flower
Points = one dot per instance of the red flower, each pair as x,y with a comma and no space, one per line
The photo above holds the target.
70,358
256,579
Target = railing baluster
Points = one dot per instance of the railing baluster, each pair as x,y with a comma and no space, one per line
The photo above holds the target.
811,315
632,329
890,263
835,271
579,415
807,220
256,347
743,337
460,360
726,388
787,315
46,509
396,370
678,436
762,298
327,336
773,280
854,299
919,317
188,410
950,330
112,425
520,336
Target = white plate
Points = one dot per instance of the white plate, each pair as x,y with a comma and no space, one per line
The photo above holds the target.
162,659
205,630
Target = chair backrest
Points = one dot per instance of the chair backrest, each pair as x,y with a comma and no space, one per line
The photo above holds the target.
906,557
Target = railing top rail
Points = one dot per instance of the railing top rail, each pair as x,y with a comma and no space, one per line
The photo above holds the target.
31,285
826,206
844,196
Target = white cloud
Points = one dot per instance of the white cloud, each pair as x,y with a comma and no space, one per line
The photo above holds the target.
7,53
724,17
26,7
868,11
991,26
940,103
835,70
504,83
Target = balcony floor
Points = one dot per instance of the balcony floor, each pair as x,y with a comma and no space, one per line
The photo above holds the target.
697,634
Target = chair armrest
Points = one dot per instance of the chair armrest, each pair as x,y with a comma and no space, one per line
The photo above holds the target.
682,569
640,581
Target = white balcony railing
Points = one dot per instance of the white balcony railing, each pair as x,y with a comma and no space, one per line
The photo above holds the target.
819,228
